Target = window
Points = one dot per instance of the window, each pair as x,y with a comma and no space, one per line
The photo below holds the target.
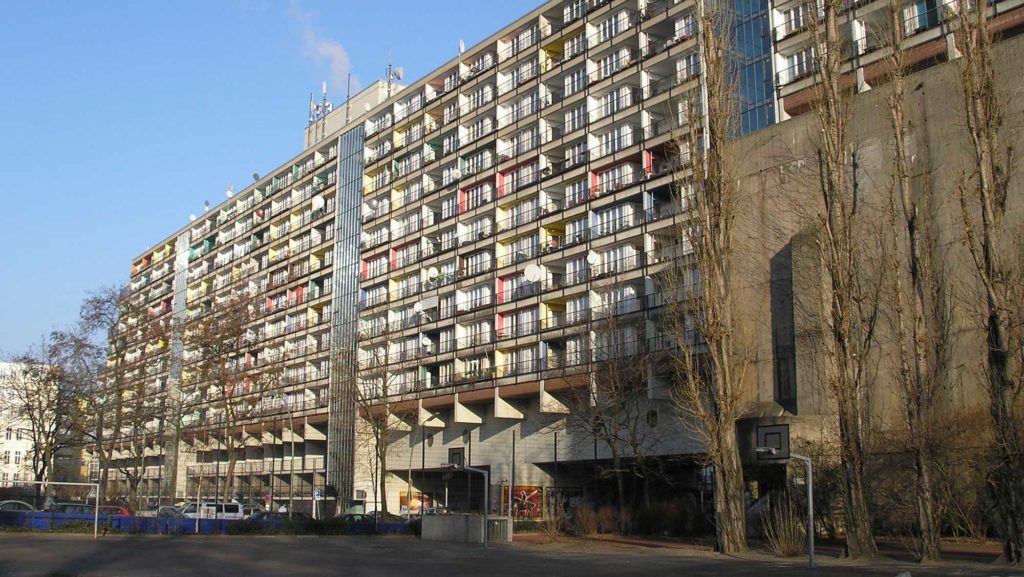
618,259
477,263
523,40
576,309
685,27
479,195
573,11
794,18
576,81
478,296
7,457
9,430
523,212
617,300
483,95
577,192
614,62
616,100
616,139
450,143
609,27
615,178
575,45
576,230
479,161
375,295
449,206
800,64
481,127
576,118
614,219
451,81
523,248
451,112
577,351
17,457
576,271
575,154
377,266
921,15
688,66
526,106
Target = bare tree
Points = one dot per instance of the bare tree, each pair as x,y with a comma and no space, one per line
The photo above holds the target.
699,287
378,425
613,409
224,379
995,249
921,348
47,402
850,296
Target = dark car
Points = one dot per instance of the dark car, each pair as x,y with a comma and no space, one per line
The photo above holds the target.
355,524
113,510
383,517
15,506
74,509
274,515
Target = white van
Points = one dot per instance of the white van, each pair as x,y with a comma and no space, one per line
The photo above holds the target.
213,511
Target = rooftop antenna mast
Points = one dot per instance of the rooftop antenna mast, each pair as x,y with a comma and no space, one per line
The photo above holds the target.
393,74
348,99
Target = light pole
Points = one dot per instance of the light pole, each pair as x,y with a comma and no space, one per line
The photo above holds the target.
809,469
291,461
487,488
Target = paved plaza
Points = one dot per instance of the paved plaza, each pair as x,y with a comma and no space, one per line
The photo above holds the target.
53,555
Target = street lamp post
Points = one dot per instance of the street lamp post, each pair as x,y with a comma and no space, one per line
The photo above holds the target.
291,461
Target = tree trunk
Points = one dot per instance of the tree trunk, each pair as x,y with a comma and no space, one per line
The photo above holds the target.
730,500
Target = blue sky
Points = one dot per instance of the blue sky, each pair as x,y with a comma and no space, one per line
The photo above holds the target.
118,119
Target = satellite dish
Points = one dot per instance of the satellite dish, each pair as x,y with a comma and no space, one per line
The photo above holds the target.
457,174
231,191
432,273
593,258
425,341
367,106
418,307
206,205
255,176
532,273
372,203
318,202
192,217
399,73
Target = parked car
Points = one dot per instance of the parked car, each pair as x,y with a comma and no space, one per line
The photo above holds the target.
168,512
74,508
15,506
113,510
276,515
213,511
355,524
383,517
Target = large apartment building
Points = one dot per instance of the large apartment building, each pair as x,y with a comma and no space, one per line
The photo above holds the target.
452,255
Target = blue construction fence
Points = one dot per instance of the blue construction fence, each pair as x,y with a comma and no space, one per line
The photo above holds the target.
48,521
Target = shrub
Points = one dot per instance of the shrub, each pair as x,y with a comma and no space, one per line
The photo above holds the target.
783,526
554,523
583,521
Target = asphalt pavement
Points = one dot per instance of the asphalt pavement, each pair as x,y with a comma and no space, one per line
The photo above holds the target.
62,555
